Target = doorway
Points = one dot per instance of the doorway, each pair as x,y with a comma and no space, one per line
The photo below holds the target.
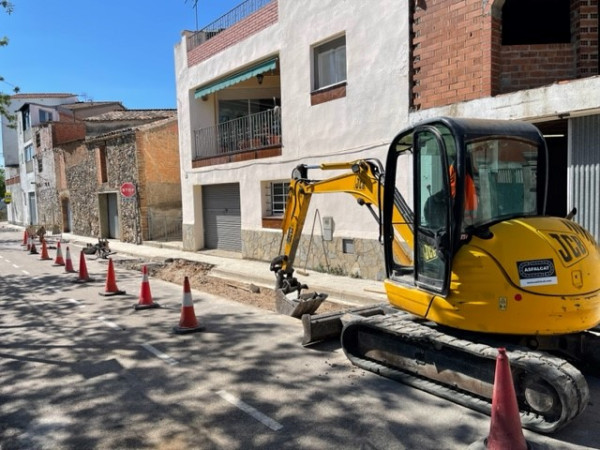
109,216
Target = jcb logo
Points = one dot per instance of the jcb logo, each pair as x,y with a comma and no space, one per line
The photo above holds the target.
569,247
429,253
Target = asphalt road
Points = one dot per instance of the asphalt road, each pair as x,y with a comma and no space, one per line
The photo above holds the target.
79,370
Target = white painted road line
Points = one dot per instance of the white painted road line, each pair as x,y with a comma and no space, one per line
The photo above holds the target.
166,358
25,272
109,323
16,267
265,420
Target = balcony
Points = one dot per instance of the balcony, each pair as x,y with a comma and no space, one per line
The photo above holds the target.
250,137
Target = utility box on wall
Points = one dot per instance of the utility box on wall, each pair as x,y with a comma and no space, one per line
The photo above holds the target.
327,228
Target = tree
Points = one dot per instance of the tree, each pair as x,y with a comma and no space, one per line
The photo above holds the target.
2,183
5,98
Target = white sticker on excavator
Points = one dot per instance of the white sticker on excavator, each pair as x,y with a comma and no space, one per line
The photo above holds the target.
538,272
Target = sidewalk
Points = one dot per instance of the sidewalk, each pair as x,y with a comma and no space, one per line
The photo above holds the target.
351,291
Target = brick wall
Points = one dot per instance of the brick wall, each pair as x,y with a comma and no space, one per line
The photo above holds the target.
64,132
530,66
585,23
159,171
452,52
250,25
458,54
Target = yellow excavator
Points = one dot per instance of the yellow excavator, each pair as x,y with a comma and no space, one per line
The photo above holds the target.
473,264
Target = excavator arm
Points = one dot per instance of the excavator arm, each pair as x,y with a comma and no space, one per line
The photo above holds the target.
364,181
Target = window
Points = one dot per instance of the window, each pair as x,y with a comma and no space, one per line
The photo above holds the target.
536,22
330,63
45,116
102,169
28,153
278,197
26,120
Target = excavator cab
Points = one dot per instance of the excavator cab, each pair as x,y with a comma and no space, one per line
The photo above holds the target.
468,174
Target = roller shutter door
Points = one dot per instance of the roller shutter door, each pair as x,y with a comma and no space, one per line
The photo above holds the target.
222,217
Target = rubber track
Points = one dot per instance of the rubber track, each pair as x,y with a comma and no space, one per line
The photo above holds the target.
565,378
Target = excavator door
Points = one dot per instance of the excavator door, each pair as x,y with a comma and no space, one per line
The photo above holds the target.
433,203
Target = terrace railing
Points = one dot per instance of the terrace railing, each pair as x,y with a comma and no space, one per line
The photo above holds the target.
252,132
227,20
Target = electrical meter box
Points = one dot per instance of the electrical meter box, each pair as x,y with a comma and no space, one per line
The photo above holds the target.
327,228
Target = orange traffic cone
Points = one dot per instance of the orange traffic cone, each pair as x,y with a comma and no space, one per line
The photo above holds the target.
505,426
32,249
44,255
188,323
58,261
83,272
145,300
69,263
111,284
25,237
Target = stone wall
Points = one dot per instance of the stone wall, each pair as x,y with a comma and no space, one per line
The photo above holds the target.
121,164
49,210
80,170
366,259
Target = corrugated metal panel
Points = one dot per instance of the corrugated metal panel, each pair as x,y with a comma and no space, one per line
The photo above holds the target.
222,217
584,171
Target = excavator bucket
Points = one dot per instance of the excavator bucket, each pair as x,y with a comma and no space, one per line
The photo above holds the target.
326,326
304,304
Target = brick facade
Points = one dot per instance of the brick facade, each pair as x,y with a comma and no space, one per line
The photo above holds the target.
458,55
252,24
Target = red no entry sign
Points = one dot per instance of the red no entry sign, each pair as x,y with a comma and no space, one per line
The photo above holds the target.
127,189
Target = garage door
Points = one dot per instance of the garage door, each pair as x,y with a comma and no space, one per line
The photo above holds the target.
222,217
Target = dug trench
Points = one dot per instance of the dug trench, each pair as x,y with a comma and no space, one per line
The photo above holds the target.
200,278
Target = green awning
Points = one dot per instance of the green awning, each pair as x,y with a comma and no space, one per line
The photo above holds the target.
236,78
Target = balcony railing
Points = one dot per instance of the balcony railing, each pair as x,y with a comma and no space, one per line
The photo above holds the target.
253,132
227,20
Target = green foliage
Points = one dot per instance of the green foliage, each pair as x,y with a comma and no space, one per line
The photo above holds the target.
5,98
2,183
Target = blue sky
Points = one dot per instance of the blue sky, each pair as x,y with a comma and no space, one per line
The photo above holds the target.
106,49
101,50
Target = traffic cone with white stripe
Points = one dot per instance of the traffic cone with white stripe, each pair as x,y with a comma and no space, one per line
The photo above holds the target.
58,261
188,322
32,249
145,300
111,284
69,263
44,255
29,240
25,237
83,272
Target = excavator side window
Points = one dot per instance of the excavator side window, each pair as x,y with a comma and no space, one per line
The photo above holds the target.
432,211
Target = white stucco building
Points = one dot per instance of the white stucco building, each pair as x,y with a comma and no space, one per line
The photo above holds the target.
311,76
18,150
276,83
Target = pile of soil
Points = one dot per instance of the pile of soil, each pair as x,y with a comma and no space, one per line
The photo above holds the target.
198,273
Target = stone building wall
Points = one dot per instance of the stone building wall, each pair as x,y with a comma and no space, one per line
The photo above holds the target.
121,167
358,258
80,169
49,210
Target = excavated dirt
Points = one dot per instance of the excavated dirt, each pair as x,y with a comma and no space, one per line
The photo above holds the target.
175,270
